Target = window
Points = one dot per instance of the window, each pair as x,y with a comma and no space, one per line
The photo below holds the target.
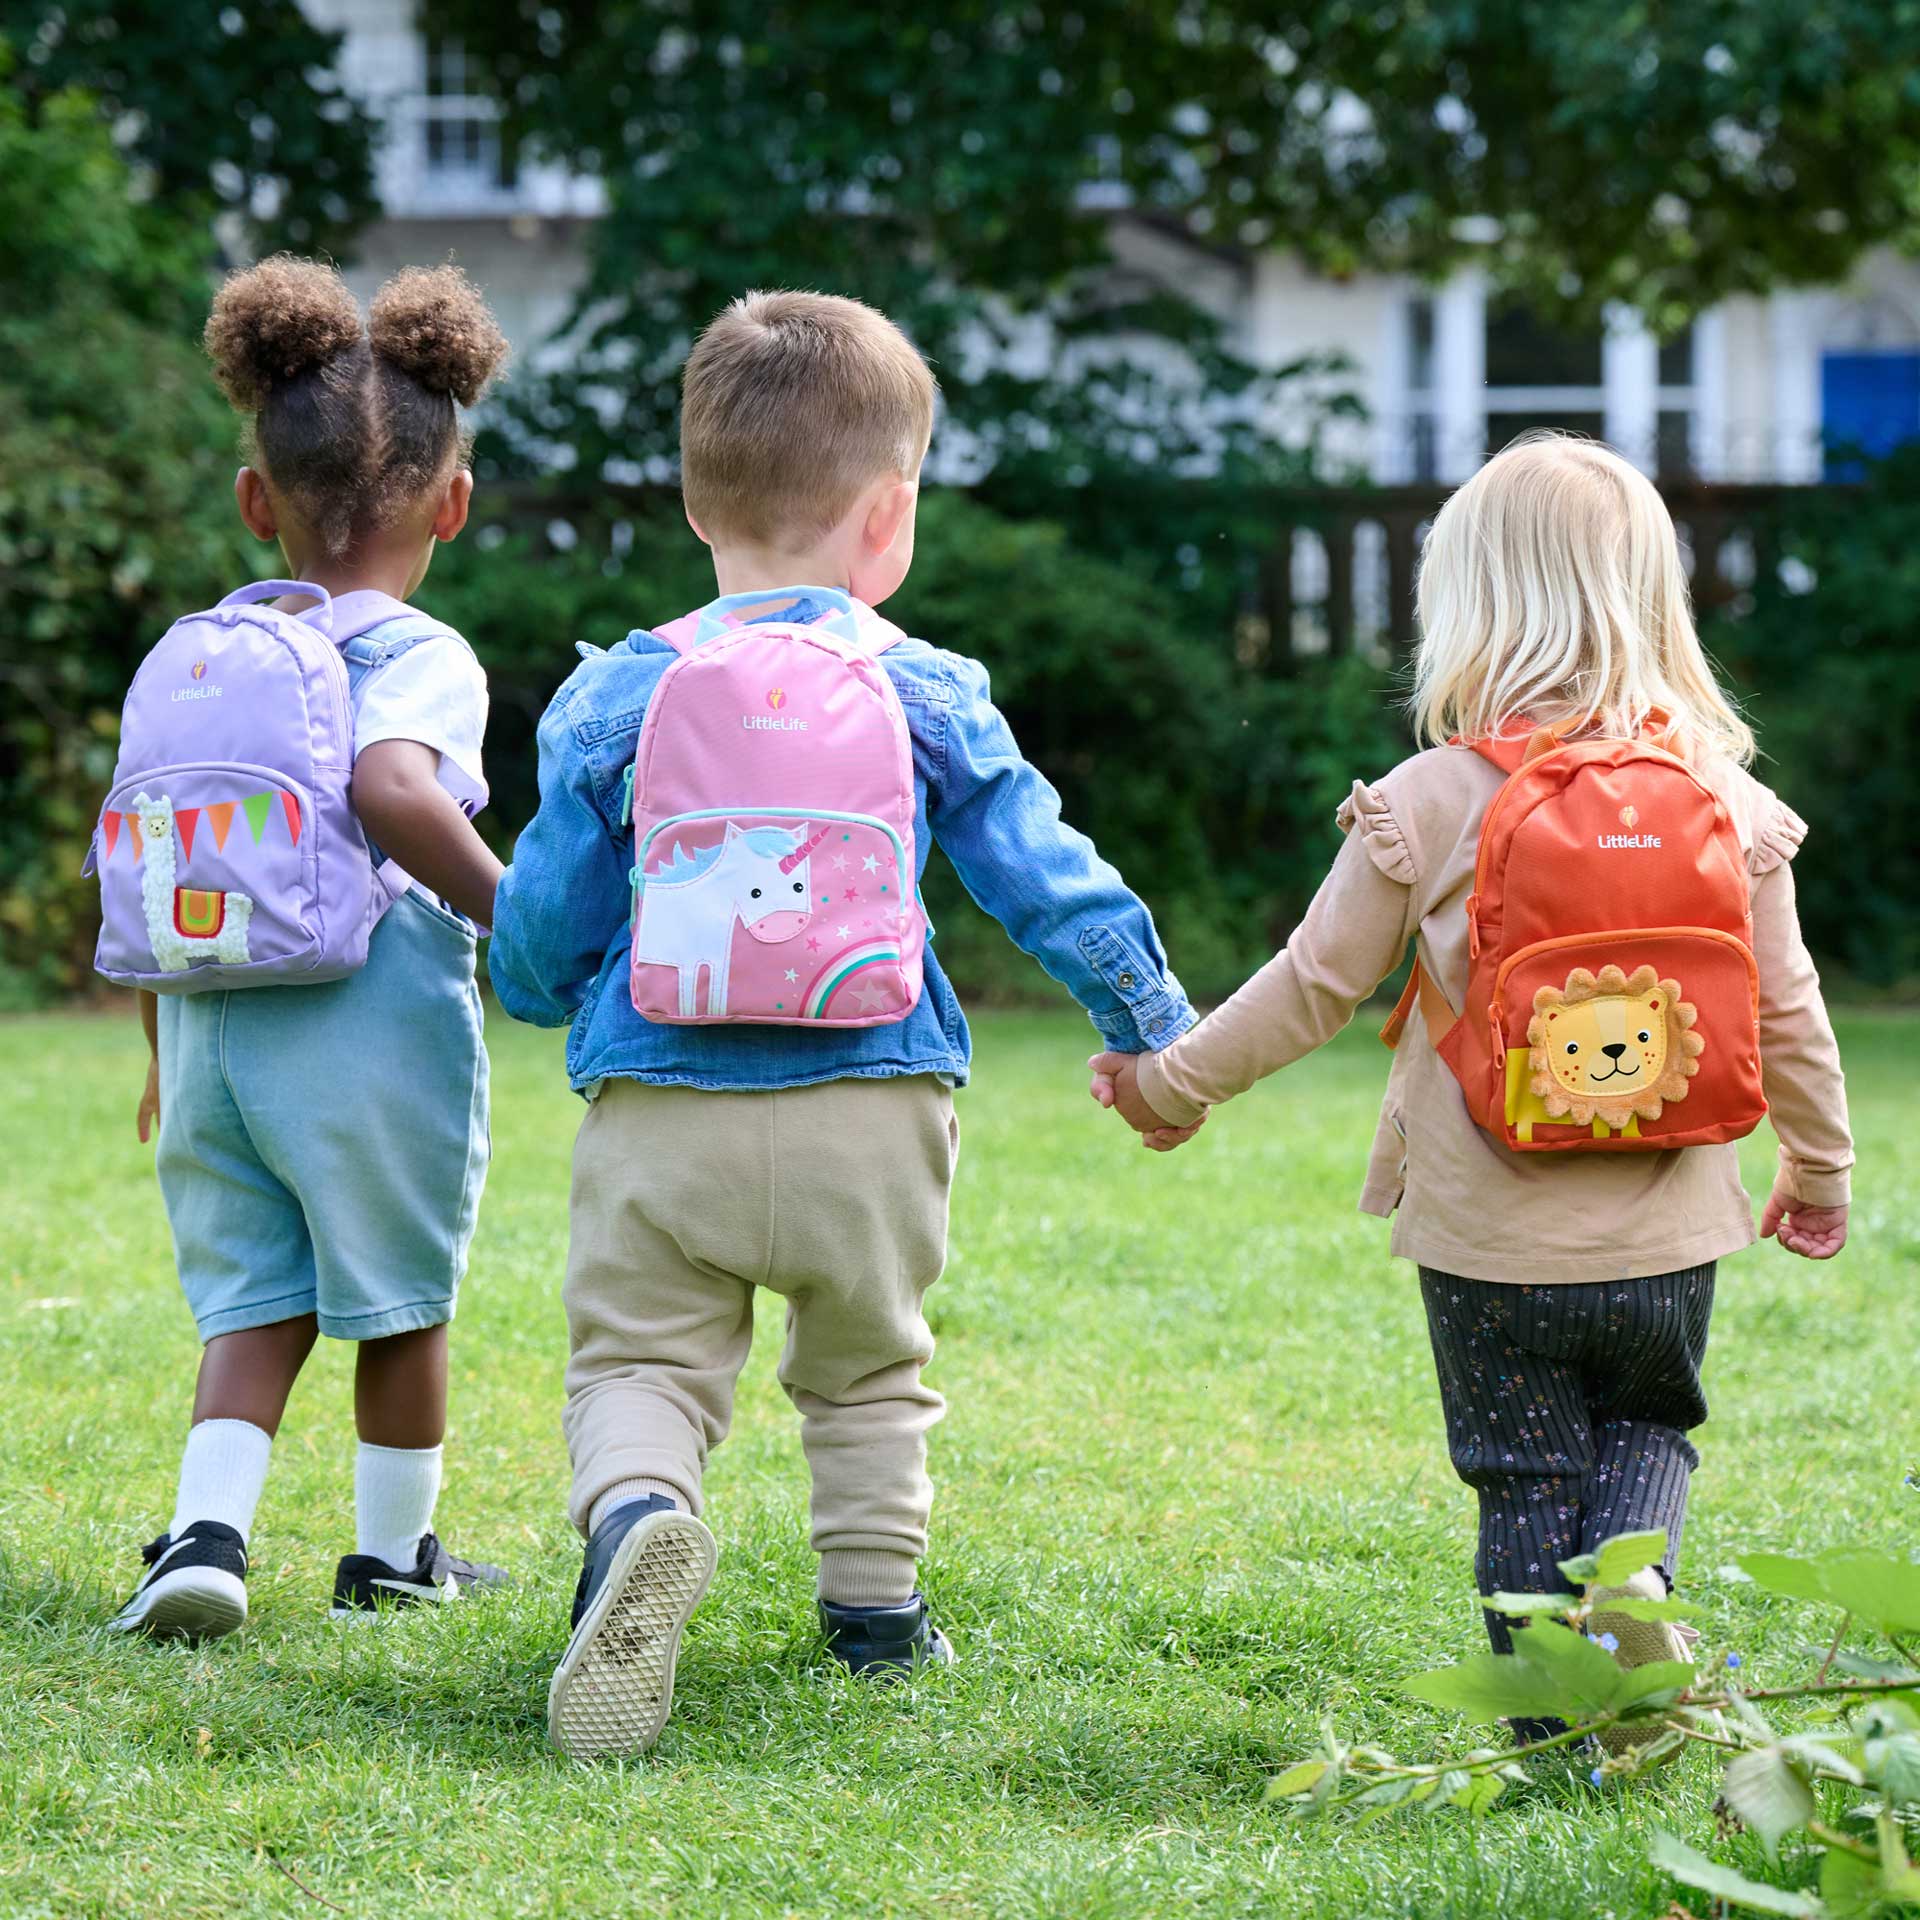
1461,405
1538,376
1422,457
460,124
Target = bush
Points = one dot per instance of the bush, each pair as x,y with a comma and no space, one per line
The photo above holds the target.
116,513
1826,661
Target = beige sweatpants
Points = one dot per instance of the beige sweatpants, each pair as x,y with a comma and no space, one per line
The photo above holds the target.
833,1196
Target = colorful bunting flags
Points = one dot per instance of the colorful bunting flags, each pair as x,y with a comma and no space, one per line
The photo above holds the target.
258,808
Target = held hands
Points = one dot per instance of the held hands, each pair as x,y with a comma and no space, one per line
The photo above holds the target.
1814,1233
1116,1084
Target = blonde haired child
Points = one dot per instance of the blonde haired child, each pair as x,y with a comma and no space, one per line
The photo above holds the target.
1567,1295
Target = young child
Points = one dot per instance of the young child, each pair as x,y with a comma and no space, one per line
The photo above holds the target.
322,1148
1567,1293
813,1161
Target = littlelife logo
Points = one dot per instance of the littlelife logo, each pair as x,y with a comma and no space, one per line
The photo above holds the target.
771,723
196,693
1626,839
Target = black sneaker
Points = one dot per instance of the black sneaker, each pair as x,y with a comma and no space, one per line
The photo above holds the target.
195,1588
887,1642
362,1585
646,1568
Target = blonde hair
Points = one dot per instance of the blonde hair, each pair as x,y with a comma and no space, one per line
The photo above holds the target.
1551,592
791,404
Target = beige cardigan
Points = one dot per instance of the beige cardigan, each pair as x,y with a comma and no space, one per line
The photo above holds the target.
1461,1201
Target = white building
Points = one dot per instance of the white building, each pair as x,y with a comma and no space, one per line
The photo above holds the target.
1445,374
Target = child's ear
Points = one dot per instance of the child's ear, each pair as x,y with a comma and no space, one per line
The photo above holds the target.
451,514
256,506
699,532
892,509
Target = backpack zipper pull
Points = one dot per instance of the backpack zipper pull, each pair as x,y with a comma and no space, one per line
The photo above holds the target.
1473,925
1497,1024
626,798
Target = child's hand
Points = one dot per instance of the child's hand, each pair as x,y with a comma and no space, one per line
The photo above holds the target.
1814,1233
149,1114
1116,1084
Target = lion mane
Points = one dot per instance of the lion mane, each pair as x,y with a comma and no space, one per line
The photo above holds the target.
1571,1024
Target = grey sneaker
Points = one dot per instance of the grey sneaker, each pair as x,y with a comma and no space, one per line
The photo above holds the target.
646,1568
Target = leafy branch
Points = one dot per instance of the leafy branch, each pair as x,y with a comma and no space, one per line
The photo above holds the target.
1864,1747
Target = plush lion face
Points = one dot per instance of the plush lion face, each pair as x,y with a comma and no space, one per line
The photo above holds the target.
1610,1046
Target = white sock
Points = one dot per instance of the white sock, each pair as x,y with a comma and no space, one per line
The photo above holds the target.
222,1474
622,1491
394,1490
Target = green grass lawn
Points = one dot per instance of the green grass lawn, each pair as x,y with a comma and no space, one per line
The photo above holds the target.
1193,1499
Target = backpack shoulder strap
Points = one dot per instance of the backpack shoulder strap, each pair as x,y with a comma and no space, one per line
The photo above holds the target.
398,633
1434,1010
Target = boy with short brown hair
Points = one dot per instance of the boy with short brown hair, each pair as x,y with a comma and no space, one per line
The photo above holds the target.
809,1159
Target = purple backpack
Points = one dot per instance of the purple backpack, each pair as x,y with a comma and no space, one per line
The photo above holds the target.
228,852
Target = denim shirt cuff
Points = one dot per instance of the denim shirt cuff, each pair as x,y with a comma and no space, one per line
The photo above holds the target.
1154,1012
1154,1021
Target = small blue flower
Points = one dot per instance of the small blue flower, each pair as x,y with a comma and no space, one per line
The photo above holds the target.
1594,1776
1733,1660
1611,1642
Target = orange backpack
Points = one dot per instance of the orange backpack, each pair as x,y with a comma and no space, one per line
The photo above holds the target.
1614,1003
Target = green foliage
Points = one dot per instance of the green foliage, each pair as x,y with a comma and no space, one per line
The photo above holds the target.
1210,786
115,512
1826,659
226,106
1868,1742
1584,152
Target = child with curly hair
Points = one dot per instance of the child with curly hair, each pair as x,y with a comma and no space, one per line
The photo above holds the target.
1567,1292
322,1147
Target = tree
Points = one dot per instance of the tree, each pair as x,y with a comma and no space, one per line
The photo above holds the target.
226,105
955,165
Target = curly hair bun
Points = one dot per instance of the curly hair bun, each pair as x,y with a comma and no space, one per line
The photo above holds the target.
273,322
434,325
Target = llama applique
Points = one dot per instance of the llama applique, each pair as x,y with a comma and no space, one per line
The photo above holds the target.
756,878
185,924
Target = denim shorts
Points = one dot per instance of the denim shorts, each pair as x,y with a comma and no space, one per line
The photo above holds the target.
322,1149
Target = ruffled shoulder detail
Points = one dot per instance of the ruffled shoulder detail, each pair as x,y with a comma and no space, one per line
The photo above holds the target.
1366,811
1778,832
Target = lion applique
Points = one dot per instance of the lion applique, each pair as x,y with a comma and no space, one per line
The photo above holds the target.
1608,1050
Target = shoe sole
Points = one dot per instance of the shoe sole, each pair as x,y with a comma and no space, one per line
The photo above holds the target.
613,1689
191,1603
1642,1642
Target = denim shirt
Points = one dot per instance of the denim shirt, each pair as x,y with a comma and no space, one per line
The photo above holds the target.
562,915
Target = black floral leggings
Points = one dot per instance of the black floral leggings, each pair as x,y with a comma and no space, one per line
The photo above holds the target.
1567,1412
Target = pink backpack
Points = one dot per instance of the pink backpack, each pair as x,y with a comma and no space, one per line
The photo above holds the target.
772,802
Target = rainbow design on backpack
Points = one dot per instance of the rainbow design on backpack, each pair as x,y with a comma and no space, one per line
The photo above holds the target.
198,914
844,967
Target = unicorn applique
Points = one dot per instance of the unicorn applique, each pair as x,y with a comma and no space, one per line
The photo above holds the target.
185,924
756,878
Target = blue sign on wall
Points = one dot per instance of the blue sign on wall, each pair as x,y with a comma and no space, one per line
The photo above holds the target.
1869,403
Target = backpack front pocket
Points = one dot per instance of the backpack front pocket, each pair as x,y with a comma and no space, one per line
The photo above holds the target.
1641,1039
206,876
774,915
